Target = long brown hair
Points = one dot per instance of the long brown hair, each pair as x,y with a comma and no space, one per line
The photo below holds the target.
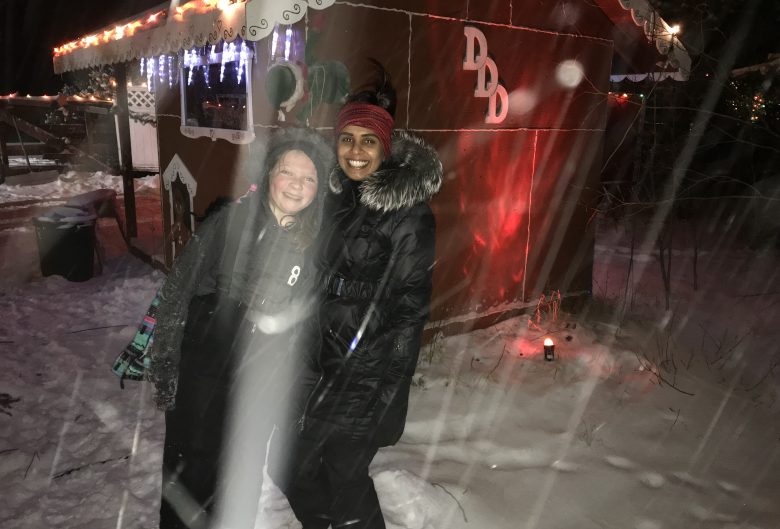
307,222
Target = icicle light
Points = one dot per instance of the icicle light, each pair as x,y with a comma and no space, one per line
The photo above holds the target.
274,42
287,43
228,55
189,62
160,69
206,70
150,69
242,54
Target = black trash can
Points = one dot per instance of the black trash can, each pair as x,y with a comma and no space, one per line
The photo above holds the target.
66,243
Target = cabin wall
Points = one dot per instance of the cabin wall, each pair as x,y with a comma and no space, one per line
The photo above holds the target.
513,213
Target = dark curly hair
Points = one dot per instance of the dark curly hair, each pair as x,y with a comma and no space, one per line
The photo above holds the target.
379,91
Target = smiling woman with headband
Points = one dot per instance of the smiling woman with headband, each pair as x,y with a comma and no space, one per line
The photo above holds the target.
376,257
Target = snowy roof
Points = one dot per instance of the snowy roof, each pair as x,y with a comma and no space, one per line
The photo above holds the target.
196,23
164,30
631,16
770,67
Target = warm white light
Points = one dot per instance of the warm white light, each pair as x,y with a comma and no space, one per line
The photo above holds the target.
674,30
548,342
569,73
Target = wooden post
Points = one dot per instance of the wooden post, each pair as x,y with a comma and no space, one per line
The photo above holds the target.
125,155
4,163
88,131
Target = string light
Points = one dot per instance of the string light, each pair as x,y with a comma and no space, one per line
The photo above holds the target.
758,108
115,33
59,97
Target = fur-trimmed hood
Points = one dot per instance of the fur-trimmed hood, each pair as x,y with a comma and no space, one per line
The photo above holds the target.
412,175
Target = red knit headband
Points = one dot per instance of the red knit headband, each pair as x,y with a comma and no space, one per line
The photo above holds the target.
368,116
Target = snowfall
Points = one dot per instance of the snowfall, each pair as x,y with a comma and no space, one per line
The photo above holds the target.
647,418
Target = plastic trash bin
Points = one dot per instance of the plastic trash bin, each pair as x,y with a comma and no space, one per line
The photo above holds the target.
66,243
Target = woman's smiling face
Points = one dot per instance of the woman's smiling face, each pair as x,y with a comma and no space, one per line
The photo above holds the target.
359,152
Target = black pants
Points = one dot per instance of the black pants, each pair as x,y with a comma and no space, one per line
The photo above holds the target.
194,429
326,481
192,451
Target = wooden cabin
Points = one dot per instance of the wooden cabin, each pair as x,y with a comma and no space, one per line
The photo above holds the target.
512,93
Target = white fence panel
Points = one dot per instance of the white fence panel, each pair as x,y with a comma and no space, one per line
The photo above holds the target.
143,129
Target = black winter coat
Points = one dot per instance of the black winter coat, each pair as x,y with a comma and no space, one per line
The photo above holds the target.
376,257
239,263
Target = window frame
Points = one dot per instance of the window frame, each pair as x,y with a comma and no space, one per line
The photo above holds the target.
239,137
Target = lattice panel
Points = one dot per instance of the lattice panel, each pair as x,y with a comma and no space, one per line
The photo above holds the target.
140,100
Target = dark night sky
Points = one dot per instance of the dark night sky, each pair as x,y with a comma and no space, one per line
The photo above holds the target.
709,26
31,28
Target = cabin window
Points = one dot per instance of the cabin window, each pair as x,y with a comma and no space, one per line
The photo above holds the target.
216,91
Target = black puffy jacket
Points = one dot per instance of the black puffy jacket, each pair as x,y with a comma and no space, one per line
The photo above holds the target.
376,257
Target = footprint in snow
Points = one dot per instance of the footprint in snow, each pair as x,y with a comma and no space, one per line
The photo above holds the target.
654,480
620,462
728,487
685,478
409,501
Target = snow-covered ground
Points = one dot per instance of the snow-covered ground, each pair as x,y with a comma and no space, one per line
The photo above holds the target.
667,421
69,184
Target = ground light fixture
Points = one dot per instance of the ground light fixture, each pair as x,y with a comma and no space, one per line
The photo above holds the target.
549,350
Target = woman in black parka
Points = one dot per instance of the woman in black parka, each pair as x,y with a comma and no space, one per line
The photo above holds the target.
376,258
228,311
